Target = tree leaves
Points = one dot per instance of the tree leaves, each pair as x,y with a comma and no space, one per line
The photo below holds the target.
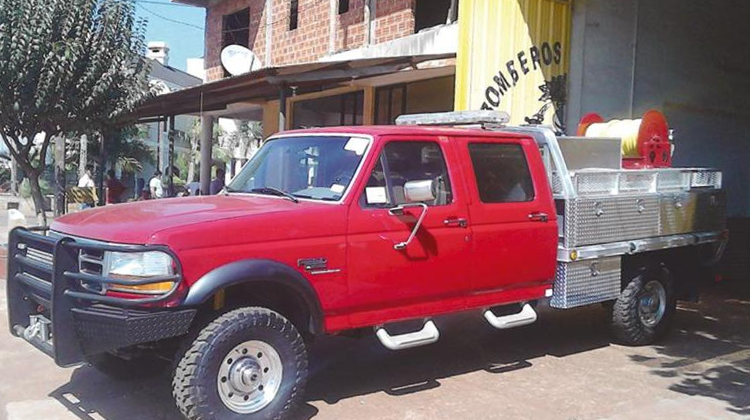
67,66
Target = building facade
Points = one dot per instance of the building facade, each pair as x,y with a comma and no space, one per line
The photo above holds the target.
284,32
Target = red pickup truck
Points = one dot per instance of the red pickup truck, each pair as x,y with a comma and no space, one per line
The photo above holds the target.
335,230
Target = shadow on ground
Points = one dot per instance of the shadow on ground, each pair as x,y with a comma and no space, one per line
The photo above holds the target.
342,368
708,354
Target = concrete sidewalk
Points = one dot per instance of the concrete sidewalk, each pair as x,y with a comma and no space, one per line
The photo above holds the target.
561,368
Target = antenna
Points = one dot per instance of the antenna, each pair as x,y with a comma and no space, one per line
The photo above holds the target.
239,60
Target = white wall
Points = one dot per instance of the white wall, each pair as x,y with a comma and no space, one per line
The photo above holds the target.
691,60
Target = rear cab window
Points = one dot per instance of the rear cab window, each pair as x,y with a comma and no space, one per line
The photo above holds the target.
501,172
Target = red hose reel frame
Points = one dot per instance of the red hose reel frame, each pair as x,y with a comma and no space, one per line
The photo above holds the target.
654,148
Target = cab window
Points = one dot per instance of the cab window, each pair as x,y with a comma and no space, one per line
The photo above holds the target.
414,162
501,172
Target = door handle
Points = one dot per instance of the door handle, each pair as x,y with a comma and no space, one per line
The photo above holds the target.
538,216
456,221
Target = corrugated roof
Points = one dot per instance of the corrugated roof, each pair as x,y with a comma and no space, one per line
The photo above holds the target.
172,75
264,84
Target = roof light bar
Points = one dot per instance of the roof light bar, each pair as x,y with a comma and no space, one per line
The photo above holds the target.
455,118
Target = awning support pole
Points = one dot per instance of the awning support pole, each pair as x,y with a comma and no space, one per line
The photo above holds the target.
207,131
282,107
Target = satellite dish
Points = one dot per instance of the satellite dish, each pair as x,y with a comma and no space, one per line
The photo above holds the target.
239,60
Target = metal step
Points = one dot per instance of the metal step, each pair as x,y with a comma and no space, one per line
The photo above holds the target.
525,317
427,335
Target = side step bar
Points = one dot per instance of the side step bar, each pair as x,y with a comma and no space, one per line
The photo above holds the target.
525,317
427,335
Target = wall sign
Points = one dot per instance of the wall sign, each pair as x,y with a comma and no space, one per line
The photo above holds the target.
513,57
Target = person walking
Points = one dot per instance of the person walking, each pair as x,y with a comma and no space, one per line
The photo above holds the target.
86,181
114,188
155,185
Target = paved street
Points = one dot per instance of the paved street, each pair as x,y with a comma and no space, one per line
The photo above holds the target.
561,368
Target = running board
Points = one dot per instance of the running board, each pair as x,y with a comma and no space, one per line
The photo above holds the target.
525,317
427,335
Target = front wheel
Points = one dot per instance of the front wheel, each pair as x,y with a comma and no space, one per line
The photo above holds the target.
644,311
250,363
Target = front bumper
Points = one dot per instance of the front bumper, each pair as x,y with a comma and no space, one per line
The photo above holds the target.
49,306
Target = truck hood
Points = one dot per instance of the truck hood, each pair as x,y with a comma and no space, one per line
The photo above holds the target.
138,222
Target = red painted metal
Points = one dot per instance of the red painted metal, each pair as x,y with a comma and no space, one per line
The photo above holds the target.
500,257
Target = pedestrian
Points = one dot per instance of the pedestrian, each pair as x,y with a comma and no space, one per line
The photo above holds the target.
141,192
86,181
193,187
218,183
114,188
155,186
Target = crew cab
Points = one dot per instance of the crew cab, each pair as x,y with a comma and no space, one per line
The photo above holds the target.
335,230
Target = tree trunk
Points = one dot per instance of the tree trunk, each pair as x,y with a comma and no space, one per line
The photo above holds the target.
36,195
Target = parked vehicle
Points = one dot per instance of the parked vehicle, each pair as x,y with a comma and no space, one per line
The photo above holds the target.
332,230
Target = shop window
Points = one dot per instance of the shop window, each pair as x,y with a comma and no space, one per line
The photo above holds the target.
343,6
236,30
429,13
346,109
390,102
432,95
294,15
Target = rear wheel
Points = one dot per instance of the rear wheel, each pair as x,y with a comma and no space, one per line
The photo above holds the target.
644,311
250,363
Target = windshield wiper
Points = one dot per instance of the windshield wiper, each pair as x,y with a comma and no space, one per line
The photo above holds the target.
275,191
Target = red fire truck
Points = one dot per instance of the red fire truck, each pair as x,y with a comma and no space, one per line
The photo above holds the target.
335,230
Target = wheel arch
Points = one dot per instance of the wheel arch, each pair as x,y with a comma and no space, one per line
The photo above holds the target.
261,274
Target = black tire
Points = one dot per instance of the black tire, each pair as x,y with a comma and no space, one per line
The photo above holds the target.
146,366
195,387
628,324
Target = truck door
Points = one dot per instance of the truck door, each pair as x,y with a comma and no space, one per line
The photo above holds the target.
387,277
514,229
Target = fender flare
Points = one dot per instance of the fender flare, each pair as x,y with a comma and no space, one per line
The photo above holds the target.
257,271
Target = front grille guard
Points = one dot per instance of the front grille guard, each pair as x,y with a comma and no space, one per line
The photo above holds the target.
33,286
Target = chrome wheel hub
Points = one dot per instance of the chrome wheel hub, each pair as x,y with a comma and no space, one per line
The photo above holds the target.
249,377
652,303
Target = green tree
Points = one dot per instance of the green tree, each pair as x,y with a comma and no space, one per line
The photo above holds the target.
66,66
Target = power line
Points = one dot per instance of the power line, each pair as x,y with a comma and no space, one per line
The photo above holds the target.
170,19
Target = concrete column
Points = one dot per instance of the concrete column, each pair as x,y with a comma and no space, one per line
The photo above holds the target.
367,19
207,133
83,155
333,13
269,33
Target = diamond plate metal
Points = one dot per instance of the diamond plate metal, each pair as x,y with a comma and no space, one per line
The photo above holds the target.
695,211
582,283
706,179
590,221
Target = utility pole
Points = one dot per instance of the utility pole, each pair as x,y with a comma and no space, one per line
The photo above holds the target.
207,133
59,174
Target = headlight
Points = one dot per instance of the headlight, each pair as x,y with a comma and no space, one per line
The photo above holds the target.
137,266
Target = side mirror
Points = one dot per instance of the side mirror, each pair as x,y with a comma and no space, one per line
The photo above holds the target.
419,190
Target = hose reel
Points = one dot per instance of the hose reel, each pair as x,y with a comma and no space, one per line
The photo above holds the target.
645,141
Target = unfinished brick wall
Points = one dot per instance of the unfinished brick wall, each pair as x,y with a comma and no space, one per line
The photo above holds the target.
310,41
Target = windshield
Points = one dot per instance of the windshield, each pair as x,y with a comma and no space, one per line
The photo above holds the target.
313,167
